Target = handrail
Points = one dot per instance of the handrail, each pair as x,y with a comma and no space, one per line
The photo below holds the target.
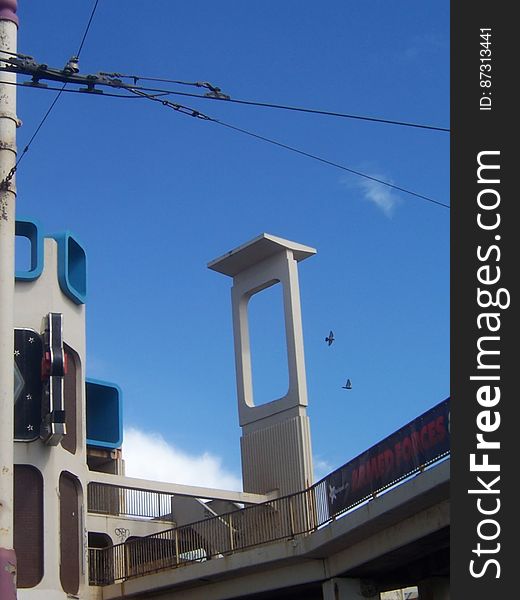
178,489
415,447
124,501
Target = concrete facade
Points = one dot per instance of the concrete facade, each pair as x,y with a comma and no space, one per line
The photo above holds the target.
52,461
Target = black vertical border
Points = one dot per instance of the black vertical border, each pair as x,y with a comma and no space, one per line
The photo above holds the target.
472,131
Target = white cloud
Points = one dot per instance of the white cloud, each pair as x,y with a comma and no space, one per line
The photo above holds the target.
380,195
321,468
148,455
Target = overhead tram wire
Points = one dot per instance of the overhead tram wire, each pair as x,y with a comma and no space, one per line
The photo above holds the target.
335,114
197,114
331,163
224,98
79,91
159,97
101,79
216,94
10,175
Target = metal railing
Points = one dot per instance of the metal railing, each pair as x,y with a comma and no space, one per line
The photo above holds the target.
278,519
283,518
115,500
210,538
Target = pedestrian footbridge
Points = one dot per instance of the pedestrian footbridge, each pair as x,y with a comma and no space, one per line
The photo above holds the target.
378,523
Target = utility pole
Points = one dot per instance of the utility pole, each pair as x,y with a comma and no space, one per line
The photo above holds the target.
8,124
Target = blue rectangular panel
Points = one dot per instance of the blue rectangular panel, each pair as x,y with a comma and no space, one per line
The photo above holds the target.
104,414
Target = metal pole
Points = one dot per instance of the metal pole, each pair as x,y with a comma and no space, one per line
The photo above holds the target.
231,540
8,124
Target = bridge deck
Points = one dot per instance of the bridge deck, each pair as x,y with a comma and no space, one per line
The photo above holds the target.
400,534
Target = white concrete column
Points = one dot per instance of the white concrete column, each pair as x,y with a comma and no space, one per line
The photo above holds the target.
276,441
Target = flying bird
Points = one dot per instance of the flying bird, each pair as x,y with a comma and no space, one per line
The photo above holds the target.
348,385
330,338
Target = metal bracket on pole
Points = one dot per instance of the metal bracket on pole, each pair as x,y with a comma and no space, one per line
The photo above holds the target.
54,367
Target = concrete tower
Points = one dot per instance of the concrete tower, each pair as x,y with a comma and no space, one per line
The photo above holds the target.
276,440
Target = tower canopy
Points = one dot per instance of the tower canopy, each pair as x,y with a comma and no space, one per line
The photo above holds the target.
256,250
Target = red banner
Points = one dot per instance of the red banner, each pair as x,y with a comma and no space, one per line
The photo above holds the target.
412,447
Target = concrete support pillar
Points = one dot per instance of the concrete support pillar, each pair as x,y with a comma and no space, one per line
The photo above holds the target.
276,439
434,588
341,588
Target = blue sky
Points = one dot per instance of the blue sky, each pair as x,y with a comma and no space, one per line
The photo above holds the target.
154,195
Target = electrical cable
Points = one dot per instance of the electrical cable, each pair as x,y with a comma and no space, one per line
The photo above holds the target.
87,29
186,110
204,117
49,110
216,94
333,114
136,78
2,51
329,162
79,91
139,93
